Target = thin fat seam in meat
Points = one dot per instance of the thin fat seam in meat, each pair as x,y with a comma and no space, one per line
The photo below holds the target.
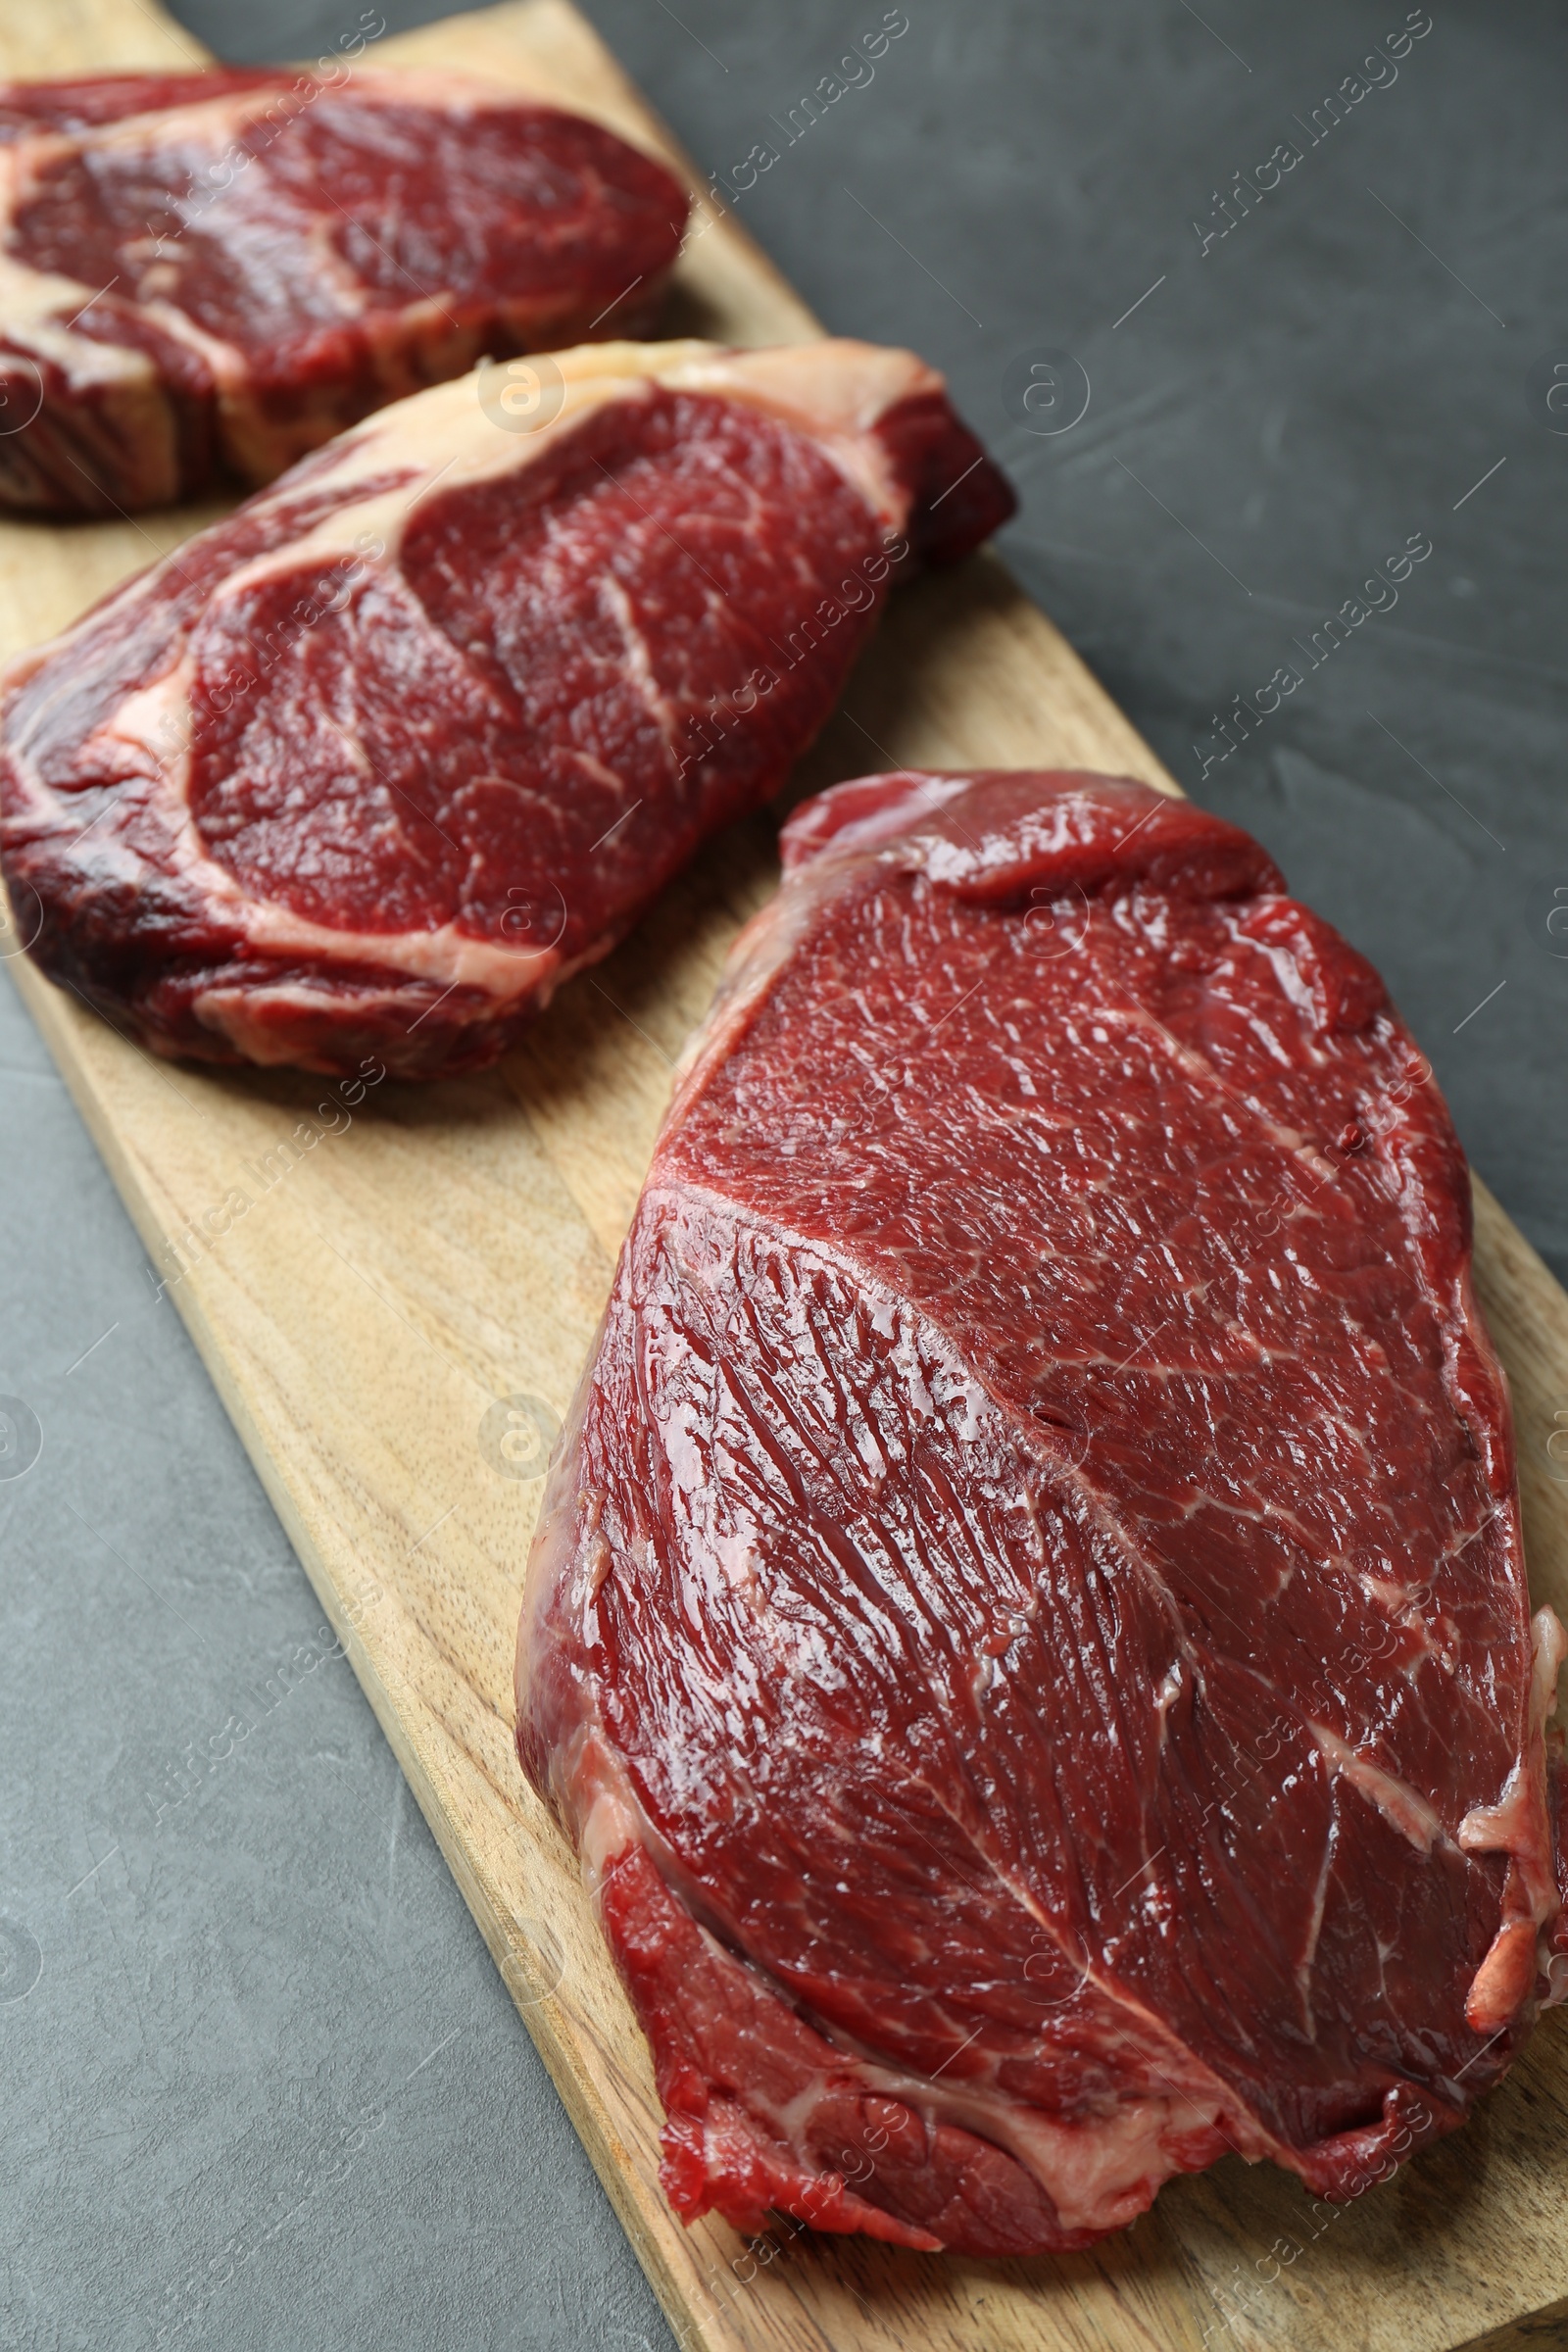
372,765
84,102
1027,1627
204,277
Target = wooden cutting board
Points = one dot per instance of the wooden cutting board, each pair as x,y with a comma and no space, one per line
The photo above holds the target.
429,1255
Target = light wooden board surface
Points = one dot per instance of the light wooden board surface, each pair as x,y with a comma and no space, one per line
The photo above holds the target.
453,1246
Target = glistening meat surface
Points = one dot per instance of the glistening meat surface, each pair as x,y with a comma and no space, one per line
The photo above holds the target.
370,767
204,277
1028,1627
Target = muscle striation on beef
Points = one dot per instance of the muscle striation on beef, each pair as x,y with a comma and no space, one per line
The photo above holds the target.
204,277
372,765
1027,1627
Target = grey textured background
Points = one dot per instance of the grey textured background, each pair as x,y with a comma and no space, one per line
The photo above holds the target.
260,2084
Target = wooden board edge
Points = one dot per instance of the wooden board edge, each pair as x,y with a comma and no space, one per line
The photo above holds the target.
637,2203
1544,2330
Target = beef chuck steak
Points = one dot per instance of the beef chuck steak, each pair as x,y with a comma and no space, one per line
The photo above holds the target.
1027,1627
202,278
371,765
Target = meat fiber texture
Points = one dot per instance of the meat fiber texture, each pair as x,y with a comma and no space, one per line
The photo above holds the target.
1028,1628
370,767
202,277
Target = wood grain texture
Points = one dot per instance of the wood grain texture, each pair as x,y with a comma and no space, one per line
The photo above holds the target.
362,1300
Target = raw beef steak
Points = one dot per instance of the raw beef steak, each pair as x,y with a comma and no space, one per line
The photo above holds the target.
370,767
87,101
1028,1628
202,277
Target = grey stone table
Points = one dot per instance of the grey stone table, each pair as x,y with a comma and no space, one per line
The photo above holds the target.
260,2084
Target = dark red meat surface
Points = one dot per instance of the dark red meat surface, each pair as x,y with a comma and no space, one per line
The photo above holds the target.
87,102
368,767
202,278
1028,1626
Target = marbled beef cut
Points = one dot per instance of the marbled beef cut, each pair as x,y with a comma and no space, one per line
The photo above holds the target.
1027,1627
203,276
86,101
371,765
